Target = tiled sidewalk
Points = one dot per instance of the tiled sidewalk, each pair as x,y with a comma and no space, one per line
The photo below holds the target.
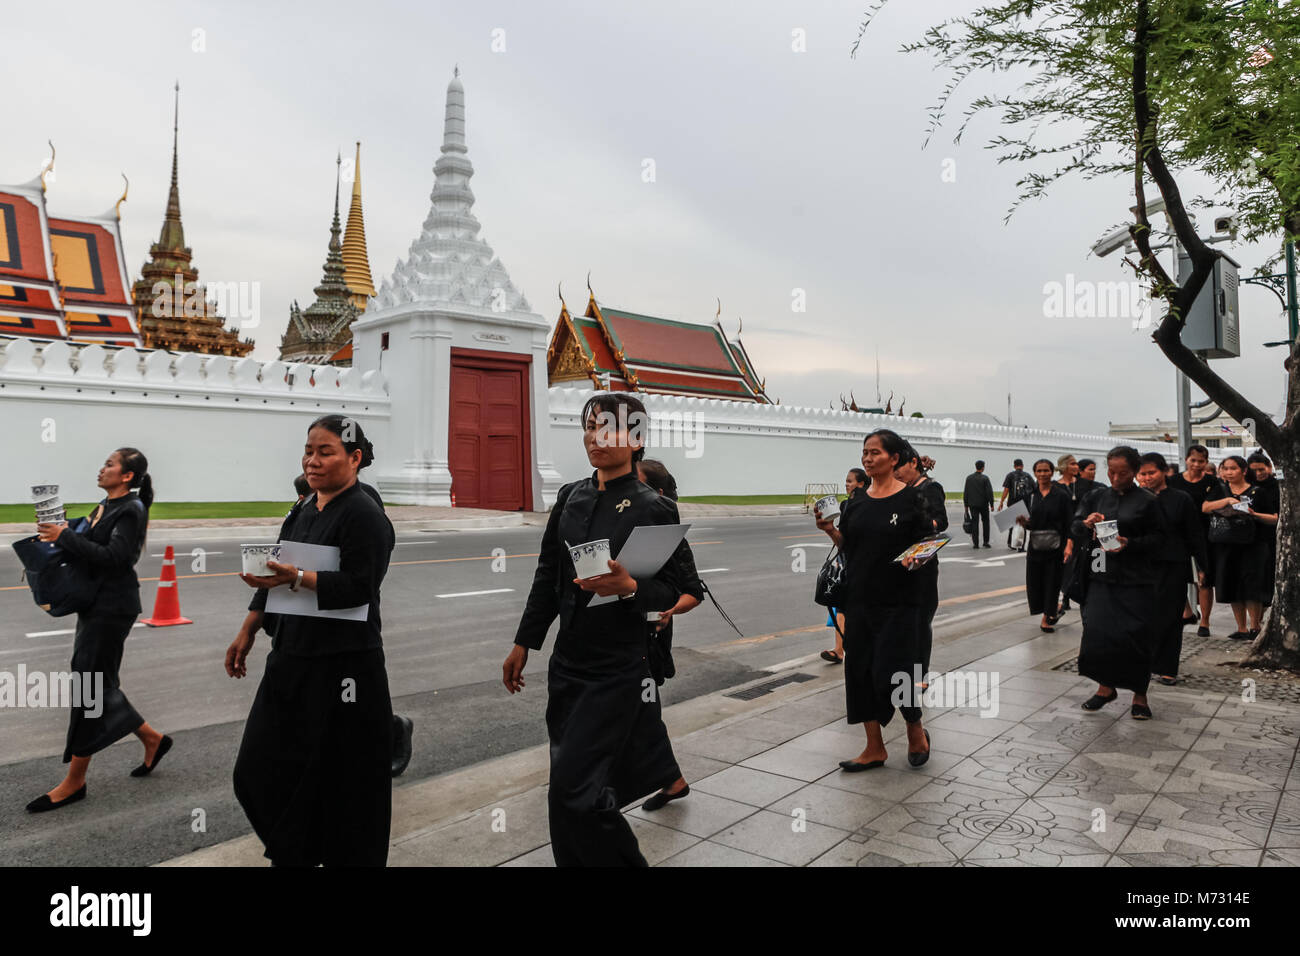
1209,781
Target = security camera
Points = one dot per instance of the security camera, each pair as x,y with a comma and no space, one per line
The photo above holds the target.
1227,224
1154,207
1115,241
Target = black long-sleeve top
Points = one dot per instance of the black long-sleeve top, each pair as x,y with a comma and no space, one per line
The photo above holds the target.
977,494
358,527
1140,522
1266,499
1051,512
609,634
1184,532
109,549
873,532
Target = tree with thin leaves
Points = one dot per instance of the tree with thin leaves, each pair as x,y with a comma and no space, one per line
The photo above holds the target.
1153,91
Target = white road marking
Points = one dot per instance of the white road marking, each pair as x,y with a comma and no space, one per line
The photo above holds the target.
69,630
711,570
474,593
184,554
808,544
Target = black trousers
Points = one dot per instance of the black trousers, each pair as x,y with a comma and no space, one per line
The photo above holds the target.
979,516
929,607
881,658
609,746
1117,645
1171,593
97,649
314,771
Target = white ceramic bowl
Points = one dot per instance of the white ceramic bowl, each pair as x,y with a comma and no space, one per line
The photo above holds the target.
591,557
255,556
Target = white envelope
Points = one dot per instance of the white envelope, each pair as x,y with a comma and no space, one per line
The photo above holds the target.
646,550
1005,519
302,603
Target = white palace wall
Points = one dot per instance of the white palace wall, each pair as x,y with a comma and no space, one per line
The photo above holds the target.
746,449
222,429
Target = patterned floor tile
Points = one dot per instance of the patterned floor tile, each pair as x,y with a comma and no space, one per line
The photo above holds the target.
1240,817
1286,825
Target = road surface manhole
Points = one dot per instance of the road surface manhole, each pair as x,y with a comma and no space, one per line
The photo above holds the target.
767,686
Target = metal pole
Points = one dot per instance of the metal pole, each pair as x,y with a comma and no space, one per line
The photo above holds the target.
1292,304
1184,384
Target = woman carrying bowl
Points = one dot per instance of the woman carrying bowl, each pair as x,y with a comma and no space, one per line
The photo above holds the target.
313,772
885,601
1120,627
108,550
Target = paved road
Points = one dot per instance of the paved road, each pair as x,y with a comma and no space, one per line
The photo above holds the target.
450,610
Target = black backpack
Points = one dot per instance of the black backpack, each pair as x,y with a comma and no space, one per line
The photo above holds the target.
59,586
1022,486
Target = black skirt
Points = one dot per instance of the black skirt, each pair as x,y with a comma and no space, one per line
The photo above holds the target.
97,649
881,658
1044,571
1118,641
1244,572
1171,595
609,746
314,771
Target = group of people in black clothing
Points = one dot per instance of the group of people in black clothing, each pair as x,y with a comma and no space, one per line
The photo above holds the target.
314,767
1175,530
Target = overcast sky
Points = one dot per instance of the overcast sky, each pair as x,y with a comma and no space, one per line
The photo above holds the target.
775,170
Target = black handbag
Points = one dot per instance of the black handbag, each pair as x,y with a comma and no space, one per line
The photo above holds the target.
59,586
1044,540
1231,530
830,581
968,523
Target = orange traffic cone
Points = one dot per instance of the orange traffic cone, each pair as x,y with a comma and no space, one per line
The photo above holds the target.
167,605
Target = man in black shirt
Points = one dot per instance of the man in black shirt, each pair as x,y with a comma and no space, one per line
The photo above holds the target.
1198,483
1016,486
977,497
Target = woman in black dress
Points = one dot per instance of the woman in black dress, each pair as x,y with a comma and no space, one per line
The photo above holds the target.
1265,508
608,740
108,550
657,476
1048,529
1119,625
314,768
1075,573
1184,540
915,473
1242,576
883,608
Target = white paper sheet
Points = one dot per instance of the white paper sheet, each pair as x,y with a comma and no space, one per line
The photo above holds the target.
302,603
1006,518
646,550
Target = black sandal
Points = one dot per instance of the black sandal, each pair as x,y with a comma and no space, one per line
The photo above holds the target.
919,759
663,798
1096,701
831,657
1140,712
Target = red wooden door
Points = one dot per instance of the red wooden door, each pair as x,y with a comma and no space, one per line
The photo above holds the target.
488,437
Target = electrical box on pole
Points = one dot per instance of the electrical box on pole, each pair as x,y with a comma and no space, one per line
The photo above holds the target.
1213,324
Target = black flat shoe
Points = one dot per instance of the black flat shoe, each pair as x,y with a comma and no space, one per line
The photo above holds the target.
1140,712
147,768
852,766
43,803
1046,630
831,657
1167,681
1190,620
918,760
402,727
663,798
1202,631
1096,701
1239,636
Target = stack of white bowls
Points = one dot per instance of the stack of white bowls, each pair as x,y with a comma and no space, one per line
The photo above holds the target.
49,509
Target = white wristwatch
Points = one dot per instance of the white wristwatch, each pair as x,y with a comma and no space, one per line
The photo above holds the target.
297,581
627,597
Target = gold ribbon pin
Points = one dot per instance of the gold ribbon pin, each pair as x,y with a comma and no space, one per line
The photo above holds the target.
625,503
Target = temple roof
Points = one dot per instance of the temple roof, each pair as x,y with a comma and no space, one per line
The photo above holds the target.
356,262
625,351
62,277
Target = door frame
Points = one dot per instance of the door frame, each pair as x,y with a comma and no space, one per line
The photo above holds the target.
503,361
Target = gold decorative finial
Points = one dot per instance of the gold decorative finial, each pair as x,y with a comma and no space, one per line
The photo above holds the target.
559,290
593,294
741,328
719,312
126,186
49,167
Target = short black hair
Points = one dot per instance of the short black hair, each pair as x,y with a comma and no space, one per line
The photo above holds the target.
859,474
1238,461
1018,463
300,485
979,465
636,417
1259,458
892,442
1155,458
1085,462
350,434
1199,450
1128,453
658,477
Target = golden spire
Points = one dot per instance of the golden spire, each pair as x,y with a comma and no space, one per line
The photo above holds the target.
356,262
